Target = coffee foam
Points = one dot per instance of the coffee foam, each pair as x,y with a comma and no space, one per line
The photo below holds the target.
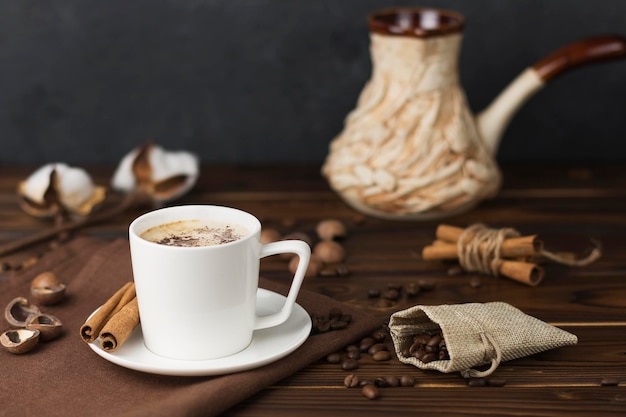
194,233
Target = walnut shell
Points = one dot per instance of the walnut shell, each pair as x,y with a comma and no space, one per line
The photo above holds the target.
19,341
18,311
49,326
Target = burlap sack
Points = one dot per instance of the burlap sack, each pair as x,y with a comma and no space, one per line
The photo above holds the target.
475,334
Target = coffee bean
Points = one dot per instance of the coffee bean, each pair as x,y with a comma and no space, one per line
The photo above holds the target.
334,313
496,382
376,348
366,343
370,391
338,325
333,358
349,364
343,270
380,382
365,382
392,381
434,341
475,282
381,355
354,354
373,293
429,357
351,381
426,284
392,295
455,270
413,290
407,381
477,382
609,382
379,335
351,347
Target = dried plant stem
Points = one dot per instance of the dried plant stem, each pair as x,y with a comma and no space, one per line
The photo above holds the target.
134,199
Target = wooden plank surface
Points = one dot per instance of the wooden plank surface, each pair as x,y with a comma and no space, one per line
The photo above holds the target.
567,206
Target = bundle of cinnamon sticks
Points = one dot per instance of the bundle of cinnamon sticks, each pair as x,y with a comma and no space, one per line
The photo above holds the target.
512,253
114,321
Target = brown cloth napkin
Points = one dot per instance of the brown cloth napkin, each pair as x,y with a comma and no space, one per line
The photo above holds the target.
66,378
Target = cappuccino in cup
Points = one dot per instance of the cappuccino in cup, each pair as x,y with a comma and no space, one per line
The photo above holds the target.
194,233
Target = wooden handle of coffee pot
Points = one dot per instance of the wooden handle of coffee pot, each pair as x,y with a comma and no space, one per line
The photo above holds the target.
579,53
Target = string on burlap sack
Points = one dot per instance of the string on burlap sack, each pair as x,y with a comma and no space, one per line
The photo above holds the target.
475,334
480,249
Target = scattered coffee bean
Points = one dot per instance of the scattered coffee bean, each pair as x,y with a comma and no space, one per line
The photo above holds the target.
333,358
335,313
426,284
366,343
382,355
379,335
413,290
365,382
351,381
392,381
334,320
351,347
407,381
338,325
370,391
475,282
373,293
496,382
380,382
343,270
349,364
392,295
609,382
477,382
455,270
354,354
376,348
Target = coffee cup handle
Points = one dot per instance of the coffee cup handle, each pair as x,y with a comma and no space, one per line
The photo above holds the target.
303,250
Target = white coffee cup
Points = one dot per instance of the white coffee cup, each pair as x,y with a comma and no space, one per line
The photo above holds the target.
199,303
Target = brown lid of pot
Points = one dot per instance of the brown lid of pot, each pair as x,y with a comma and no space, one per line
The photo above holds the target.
415,22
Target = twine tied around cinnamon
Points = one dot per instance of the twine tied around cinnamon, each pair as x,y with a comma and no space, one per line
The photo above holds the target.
499,252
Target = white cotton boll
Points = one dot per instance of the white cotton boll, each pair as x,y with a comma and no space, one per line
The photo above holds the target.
35,186
70,189
164,165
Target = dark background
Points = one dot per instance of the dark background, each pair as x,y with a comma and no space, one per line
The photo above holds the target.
251,81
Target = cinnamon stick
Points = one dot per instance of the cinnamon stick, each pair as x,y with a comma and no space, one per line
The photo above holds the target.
92,327
524,272
513,247
120,326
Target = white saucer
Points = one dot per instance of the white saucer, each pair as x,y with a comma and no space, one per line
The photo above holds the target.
268,345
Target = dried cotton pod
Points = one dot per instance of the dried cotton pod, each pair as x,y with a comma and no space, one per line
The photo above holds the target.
163,175
57,188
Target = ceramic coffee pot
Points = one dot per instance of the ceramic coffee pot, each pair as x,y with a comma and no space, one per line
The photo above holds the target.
411,149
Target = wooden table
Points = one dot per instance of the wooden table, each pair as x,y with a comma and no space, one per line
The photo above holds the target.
565,205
